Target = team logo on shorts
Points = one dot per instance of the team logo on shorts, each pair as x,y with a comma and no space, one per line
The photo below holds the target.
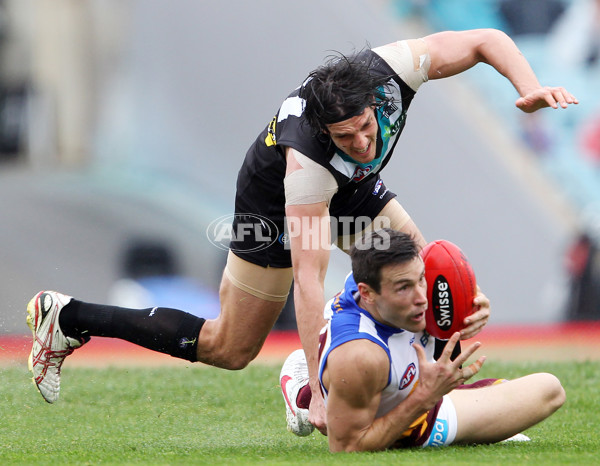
242,232
439,434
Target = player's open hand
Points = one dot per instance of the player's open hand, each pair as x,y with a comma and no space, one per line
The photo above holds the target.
445,375
476,321
545,97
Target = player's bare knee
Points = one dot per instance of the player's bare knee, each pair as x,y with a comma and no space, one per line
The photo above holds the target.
237,358
554,392
232,356
559,394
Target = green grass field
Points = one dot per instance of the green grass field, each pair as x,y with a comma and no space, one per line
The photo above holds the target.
199,415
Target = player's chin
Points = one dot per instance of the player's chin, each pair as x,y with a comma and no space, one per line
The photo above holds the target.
364,157
417,322
359,157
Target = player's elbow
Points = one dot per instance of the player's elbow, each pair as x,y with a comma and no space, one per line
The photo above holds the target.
346,448
354,444
491,36
354,448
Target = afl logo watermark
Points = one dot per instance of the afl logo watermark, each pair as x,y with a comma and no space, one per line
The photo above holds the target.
443,306
242,232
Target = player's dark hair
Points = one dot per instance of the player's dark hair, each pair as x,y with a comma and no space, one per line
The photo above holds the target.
379,249
341,89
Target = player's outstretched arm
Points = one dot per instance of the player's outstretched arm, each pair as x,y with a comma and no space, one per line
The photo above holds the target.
308,231
453,52
309,236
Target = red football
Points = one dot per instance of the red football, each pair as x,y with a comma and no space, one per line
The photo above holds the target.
451,288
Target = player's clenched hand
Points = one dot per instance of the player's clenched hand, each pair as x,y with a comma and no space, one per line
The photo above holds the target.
476,321
317,414
545,97
445,375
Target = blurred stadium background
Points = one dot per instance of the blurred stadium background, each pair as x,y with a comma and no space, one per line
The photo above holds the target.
123,124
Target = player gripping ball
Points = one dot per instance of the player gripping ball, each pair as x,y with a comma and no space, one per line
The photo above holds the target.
451,288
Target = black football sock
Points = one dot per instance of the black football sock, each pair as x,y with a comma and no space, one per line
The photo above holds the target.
160,329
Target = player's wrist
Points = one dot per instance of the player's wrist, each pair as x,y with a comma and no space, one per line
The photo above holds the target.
423,399
315,386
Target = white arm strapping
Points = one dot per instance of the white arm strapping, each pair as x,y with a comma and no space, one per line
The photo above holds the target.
311,184
409,59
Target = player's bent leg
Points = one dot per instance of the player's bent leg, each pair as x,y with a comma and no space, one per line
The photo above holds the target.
235,338
60,324
495,413
252,298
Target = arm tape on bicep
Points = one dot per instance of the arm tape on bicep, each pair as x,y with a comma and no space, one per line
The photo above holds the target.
409,59
310,184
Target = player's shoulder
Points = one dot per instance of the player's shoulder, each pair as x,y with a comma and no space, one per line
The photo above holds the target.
359,359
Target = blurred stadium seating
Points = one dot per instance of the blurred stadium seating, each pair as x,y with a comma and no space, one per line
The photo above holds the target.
545,31
561,40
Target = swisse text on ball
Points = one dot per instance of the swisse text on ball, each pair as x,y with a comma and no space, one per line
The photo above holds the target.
443,308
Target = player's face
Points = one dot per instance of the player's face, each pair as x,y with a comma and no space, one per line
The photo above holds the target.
357,136
402,300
